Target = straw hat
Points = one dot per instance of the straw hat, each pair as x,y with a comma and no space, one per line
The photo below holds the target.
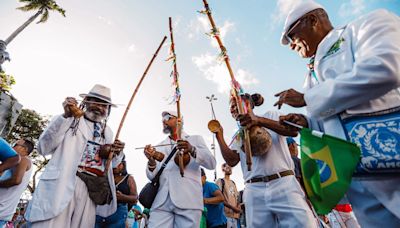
101,92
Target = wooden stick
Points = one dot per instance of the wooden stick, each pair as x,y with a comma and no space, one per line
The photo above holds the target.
111,154
169,144
239,104
137,88
178,106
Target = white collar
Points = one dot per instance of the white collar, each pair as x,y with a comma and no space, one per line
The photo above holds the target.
327,42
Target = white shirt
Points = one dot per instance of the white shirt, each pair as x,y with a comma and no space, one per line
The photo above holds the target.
184,192
9,197
276,160
363,74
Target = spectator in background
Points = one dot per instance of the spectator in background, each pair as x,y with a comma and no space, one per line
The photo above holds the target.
214,202
203,220
8,157
126,193
294,153
12,188
134,217
228,187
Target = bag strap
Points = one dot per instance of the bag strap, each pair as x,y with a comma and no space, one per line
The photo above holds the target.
122,180
157,177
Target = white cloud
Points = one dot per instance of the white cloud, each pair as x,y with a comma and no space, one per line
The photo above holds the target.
105,20
132,48
282,9
193,29
202,25
352,8
218,73
245,78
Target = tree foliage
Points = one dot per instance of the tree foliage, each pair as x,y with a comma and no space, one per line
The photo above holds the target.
42,6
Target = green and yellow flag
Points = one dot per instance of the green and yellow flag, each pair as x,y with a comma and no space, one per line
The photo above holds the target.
327,165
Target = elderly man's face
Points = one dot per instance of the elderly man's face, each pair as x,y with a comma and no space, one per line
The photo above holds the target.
169,122
96,111
303,34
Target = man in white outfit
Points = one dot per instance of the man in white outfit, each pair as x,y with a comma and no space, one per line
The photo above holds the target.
272,195
12,188
352,92
179,201
75,186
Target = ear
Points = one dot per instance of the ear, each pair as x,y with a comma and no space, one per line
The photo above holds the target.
313,20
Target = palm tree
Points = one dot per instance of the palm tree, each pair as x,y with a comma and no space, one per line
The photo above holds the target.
43,7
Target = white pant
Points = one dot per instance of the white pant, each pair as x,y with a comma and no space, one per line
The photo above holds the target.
376,202
278,203
169,216
339,219
80,212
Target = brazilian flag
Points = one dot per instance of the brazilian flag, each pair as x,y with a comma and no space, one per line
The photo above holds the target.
327,165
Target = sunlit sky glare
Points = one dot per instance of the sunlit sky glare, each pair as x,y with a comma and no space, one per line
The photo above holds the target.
111,43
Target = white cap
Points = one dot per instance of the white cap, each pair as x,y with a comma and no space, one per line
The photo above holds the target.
172,113
295,14
117,160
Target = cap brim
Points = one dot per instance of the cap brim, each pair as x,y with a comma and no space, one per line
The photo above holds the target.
284,41
168,112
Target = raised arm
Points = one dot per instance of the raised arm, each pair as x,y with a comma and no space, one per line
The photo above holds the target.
250,119
231,157
18,174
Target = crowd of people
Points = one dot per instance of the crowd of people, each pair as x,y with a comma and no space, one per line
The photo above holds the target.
353,83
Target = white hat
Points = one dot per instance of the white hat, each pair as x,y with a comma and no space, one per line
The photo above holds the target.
172,113
295,14
101,92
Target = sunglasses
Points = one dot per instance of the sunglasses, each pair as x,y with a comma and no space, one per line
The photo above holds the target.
167,117
17,144
288,36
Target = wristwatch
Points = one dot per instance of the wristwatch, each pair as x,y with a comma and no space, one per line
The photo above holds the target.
193,152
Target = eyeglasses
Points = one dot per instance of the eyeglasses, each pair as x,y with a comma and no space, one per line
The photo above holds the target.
17,144
288,36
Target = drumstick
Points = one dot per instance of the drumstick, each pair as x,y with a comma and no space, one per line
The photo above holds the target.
170,144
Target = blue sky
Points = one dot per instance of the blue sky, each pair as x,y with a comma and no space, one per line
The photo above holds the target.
111,42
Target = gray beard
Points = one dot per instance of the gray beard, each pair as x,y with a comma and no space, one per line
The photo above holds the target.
167,130
94,117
